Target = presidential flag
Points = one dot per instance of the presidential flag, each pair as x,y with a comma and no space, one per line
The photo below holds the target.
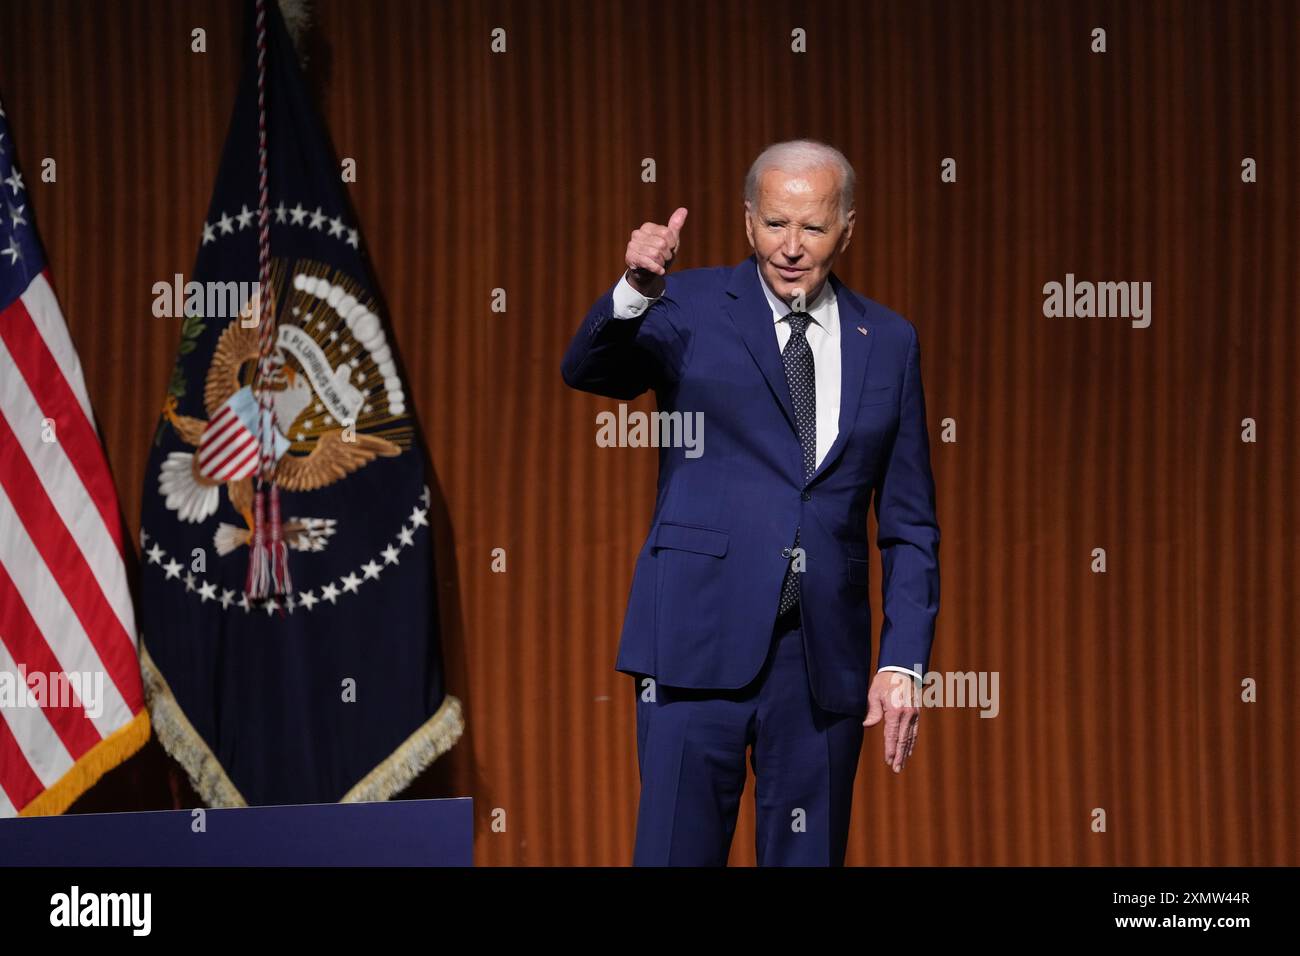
71,704
331,690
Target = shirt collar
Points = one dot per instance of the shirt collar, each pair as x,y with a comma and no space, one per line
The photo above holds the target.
822,311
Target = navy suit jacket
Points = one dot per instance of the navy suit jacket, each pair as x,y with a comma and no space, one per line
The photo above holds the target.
708,578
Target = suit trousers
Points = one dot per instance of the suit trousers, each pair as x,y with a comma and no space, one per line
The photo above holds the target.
691,747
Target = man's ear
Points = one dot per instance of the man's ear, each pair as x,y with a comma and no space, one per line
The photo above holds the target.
749,226
848,229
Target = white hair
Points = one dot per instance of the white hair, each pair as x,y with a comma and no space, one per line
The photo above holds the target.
799,156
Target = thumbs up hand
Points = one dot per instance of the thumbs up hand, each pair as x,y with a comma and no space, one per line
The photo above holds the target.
650,253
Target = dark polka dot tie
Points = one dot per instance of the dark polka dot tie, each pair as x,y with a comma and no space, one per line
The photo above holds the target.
800,376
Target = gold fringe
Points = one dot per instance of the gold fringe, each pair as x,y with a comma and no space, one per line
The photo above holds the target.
179,738
94,763
434,738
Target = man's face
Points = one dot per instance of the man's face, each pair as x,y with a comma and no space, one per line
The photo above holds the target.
796,230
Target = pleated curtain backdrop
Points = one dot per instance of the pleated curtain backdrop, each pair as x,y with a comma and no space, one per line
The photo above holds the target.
1051,437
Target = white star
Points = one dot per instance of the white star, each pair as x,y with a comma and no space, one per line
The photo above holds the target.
226,224
418,519
209,235
242,603
244,216
144,537
371,569
308,600
329,592
280,212
317,219
13,252
172,568
406,537
353,237
298,214
424,496
189,580
390,554
15,181
208,592
271,606
16,214
226,597
290,603
155,553
336,226
350,583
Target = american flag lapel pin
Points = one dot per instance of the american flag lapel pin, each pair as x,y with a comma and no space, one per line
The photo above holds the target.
862,330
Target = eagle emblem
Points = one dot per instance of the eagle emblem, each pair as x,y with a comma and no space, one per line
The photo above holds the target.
337,406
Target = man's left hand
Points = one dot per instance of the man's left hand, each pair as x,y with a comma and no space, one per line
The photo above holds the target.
894,696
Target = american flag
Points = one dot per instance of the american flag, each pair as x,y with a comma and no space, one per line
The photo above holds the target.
71,704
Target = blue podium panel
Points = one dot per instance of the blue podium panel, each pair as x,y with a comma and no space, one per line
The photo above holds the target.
384,833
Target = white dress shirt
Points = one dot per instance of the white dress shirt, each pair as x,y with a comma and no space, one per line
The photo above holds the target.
823,335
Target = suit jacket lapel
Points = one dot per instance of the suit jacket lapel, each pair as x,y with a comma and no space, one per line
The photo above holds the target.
855,352
752,317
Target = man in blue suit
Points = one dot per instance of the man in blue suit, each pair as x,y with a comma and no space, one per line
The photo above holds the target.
749,622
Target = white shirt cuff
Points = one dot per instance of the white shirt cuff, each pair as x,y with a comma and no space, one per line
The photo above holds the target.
629,303
904,670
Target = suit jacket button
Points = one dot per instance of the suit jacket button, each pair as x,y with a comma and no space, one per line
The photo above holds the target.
785,552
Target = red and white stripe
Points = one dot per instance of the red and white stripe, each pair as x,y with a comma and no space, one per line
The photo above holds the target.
64,602
228,451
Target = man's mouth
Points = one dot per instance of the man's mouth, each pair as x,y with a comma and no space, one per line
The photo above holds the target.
790,273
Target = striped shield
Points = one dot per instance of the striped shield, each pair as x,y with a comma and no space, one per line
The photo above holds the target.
228,449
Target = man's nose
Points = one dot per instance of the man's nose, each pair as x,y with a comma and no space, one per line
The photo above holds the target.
793,244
